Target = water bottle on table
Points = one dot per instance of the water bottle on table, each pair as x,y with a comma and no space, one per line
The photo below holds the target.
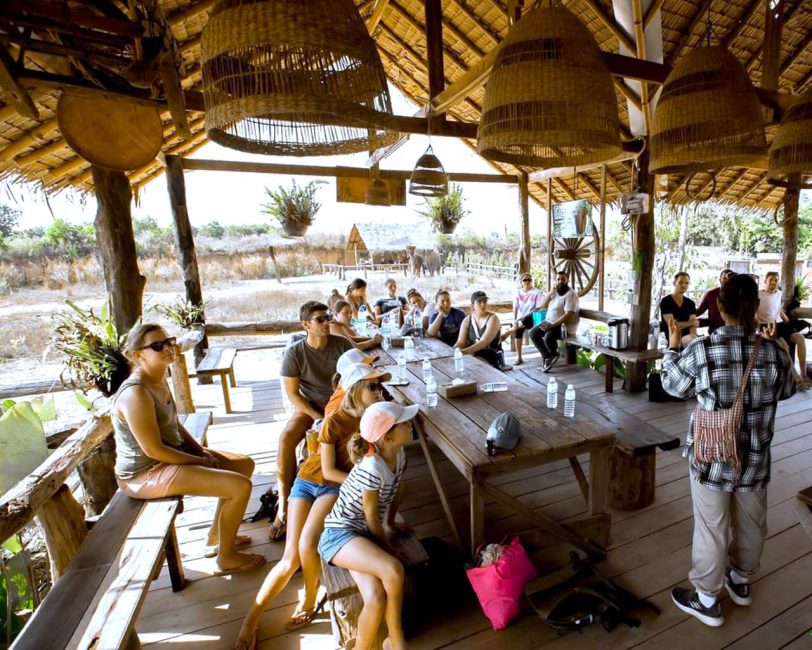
431,392
402,376
408,346
459,361
418,322
428,371
362,320
552,394
569,402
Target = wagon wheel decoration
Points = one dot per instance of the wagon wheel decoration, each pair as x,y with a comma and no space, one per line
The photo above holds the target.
578,258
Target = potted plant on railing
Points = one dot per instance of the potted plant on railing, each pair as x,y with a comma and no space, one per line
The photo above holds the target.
183,313
445,212
294,208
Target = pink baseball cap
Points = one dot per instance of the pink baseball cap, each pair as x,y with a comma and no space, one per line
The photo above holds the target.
379,418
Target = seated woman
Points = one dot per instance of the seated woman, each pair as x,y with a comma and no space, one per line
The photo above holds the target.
357,297
677,307
446,321
156,457
479,332
340,326
527,301
392,301
312,497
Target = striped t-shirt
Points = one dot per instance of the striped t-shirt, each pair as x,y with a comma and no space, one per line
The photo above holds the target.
370,475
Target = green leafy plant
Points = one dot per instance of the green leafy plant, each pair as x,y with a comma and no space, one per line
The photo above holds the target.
183,313
91,347
446,211
17,596
294,205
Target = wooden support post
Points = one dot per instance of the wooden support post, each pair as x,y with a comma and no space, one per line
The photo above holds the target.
434,52
524,236
642,268
275,265
62,521
116,242
181,389
549,234
98,478
602,243
185,243
791,196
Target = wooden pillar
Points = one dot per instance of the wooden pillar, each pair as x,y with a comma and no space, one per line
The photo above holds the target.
182,391
116,242
434,54
602,243
98,478
185,243
791,196
62,521
642,268
524,233
275,265
549,234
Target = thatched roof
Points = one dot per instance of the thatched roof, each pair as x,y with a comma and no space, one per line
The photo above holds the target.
92,46
384,237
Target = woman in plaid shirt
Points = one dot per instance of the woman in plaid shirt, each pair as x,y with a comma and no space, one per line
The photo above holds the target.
730,511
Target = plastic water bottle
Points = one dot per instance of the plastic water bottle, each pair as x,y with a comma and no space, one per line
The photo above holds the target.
386,343
552,394
418,322
428,371
654,339
402,366
563,330
362,320
569,402
494,386
431,392
386,325
459,361
408,346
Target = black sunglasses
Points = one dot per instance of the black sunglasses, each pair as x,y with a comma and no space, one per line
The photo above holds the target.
322,319
375,387
158,346
527,279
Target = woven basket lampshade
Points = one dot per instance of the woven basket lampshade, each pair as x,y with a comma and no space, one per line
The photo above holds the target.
791,150
708,115
378,193
429,177
549,101
293,78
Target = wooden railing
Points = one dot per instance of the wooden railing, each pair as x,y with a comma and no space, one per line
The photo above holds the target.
491,270
341,270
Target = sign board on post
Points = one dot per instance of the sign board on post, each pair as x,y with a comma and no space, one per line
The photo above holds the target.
572,219
353,189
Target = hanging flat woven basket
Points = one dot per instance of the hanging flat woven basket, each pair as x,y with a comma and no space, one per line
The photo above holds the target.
708,115
791,150
429,177
549,101
293,78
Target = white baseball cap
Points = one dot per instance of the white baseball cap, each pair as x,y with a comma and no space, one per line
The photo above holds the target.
360,372
379,418
353,356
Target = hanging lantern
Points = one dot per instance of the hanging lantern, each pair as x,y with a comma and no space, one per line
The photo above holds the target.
429,177
549,101
708,115
791,150
293,78
378,193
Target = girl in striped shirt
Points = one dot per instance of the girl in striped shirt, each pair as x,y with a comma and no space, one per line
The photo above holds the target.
358,529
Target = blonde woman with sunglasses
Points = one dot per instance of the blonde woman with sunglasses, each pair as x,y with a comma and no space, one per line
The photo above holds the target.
156,457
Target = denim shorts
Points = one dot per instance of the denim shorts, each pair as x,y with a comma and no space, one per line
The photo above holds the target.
332,540
311,491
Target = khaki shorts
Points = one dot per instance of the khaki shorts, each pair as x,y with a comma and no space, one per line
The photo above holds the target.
153,483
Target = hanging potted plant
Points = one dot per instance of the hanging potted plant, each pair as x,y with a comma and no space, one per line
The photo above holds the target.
183,313
445,212
294,207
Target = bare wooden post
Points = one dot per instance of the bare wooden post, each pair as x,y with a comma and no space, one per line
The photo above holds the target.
181,389
524,237
116,241
791,196
62,521
434,55
549,234
642,267
185,243
275,265
98,478
602,243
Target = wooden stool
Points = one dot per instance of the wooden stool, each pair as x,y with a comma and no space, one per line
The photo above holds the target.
220,361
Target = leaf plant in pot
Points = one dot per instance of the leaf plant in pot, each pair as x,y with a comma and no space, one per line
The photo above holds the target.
445,212
294,207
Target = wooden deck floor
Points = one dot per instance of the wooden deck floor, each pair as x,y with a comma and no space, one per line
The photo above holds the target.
650,552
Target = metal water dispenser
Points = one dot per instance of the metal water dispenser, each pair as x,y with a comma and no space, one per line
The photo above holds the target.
618,333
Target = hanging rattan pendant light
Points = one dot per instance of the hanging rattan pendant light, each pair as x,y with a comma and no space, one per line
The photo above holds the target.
708,115
549,101
293,78
378,193
429,177
791,150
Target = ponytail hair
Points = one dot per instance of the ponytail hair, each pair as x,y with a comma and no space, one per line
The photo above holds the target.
358,447
739,298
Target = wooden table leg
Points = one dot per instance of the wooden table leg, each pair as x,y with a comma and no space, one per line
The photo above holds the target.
231,377
599,472
226,396
477,517
173,560
610,373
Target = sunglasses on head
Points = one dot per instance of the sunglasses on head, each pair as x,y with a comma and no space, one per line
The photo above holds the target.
326,318
375,387
158,346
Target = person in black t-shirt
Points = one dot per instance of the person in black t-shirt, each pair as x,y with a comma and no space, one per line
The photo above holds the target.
677,307
392,300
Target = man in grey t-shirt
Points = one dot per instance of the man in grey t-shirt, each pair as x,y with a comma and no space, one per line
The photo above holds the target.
307,378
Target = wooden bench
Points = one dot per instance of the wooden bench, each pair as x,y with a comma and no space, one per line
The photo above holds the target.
804,504
96,602
220,361
636,356
345,603
197,424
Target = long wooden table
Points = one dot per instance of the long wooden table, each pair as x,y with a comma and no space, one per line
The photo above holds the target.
458,427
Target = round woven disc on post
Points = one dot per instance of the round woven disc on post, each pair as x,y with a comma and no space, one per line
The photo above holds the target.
429,177
708,115
791,150
293,78
378,193
549,101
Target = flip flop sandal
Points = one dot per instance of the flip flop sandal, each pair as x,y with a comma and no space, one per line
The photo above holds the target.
242,644
277,531
241,542
255,562
305,616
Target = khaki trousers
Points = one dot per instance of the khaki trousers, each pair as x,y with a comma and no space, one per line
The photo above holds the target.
729,530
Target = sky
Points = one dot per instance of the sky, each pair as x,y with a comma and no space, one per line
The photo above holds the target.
236,198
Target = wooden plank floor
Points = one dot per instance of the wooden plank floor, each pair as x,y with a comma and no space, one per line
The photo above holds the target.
650,551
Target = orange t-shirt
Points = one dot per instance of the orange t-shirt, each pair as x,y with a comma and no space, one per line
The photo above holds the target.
338,428
334,401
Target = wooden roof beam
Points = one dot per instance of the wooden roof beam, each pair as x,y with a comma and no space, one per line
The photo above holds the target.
39,133
495,38
749,10
194,9
651,12
560,182
451,28
611,25
752,187
377,14
729,186
698,18
640,49
553,172
13,91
